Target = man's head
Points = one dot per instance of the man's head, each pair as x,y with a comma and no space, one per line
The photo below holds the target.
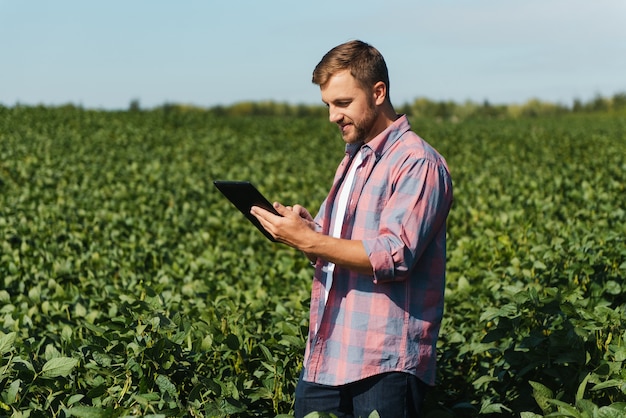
364,62
354,83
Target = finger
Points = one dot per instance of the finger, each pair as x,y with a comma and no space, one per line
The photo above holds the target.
302,212
264,217
260,213
282,210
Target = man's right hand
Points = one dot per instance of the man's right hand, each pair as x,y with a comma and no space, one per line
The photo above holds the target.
305,215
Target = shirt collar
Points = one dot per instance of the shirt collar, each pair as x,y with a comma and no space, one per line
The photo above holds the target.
381,142
389,136
352,148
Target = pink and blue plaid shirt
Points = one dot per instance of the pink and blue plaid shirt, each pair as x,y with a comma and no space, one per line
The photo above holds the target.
388,321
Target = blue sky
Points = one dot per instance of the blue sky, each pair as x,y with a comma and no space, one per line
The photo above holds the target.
205,53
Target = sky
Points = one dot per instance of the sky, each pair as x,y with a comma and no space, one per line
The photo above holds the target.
105,54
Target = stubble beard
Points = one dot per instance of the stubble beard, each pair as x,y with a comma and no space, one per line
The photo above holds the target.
363,129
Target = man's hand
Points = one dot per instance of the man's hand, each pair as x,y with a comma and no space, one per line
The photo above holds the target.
294,227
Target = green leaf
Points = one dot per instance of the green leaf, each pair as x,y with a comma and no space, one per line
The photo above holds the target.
492,408
13,391
86,412
580,394
232,342
542,395
483,380
616,410
567,409
75,398
495,334
166,386
320,415
6,342
586,406
463,284
22,364
611,383
58,367
509,310
267,353
146,398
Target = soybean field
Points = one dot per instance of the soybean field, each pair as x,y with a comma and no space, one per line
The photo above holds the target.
130,287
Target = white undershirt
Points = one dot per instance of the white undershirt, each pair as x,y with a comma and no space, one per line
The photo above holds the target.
342,204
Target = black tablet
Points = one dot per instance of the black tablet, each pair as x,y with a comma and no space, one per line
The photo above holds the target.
244,195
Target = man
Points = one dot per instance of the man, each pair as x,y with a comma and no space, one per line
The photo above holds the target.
378,246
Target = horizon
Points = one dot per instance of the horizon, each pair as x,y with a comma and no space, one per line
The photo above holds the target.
208,54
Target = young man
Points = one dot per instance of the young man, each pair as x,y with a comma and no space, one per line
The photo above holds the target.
378,245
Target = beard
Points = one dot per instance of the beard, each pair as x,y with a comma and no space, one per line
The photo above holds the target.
362,129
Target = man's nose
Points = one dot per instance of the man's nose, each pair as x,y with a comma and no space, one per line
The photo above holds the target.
334,115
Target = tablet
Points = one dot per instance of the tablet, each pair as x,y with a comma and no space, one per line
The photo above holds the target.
244,195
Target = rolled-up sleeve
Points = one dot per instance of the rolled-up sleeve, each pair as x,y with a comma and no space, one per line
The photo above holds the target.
409,220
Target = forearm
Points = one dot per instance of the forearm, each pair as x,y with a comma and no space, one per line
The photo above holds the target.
346,253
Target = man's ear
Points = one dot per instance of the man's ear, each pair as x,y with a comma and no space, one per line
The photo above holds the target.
379,92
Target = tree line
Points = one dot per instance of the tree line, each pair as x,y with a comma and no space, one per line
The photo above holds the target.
442,110
447,110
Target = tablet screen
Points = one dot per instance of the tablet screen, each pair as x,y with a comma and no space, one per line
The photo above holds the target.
244,195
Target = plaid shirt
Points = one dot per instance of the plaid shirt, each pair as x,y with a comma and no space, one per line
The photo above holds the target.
388,321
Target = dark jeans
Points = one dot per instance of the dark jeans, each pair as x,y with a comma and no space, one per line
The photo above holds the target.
392,395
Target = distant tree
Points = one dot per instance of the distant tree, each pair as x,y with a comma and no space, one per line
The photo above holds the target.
598,104
619,101
445,110
491,111
577,106
219,110
423,107
536,108
134,106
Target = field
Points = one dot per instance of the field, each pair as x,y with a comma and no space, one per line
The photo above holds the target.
130,287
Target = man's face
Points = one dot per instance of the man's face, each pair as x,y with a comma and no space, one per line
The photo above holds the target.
350,107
